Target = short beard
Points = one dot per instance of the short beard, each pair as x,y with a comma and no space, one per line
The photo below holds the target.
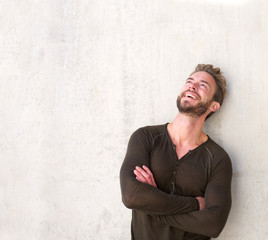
193,111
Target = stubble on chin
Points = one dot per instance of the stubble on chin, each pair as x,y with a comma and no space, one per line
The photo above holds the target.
193,111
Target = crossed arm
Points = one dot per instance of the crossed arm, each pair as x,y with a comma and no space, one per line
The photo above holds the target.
211,220
145,175
139,191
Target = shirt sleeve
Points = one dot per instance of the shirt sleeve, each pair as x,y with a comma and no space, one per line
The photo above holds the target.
144,197
211,220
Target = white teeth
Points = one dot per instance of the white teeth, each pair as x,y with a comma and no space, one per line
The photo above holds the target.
190,95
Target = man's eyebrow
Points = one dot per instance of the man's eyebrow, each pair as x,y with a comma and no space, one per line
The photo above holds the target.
205,82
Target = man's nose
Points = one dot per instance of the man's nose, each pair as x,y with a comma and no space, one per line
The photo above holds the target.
192,87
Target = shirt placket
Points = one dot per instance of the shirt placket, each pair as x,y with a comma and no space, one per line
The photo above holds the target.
176,166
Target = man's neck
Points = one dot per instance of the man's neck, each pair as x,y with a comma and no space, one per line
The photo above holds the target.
187,131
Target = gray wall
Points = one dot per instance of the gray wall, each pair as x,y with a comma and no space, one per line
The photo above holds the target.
78,77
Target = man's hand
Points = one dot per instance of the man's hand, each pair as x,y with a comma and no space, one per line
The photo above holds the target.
144,175
201,202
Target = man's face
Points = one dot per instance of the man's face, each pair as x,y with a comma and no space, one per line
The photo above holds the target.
197,94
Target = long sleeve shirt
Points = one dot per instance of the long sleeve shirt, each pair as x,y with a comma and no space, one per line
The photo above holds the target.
171,211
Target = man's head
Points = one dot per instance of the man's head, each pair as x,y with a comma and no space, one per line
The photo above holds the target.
203,91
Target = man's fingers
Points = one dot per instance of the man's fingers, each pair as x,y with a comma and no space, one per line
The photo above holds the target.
142,172
145,175
147,170
139,176
152,181
141,179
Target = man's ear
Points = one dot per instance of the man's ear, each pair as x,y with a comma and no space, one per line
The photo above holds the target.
214,106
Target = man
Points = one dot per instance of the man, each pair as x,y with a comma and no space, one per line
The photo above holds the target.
176,179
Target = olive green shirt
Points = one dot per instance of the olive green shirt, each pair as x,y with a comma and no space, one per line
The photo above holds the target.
170,211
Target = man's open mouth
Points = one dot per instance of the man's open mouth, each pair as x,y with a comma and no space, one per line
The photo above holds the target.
190,96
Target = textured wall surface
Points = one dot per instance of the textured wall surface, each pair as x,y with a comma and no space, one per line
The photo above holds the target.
78,77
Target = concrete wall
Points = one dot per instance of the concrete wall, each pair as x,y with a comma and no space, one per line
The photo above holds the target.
78,77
